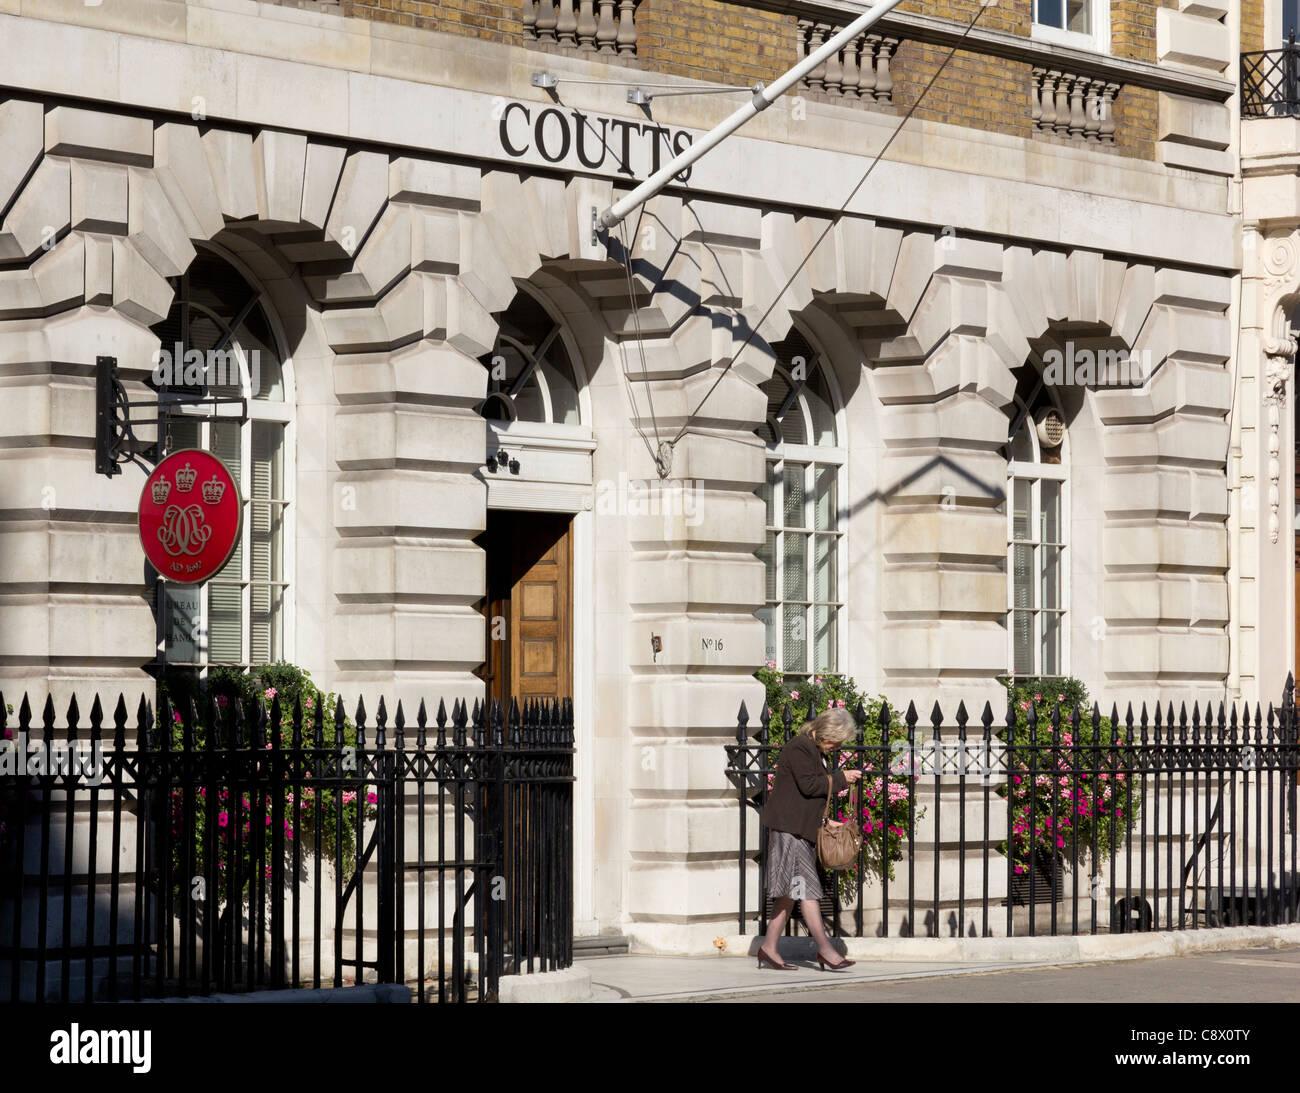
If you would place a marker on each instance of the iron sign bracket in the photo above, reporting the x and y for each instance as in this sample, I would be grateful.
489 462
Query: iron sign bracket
115 439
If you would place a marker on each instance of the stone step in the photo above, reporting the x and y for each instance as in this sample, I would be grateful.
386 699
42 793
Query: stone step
605 945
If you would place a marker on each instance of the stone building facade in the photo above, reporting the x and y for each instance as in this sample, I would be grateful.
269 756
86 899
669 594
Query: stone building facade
459 406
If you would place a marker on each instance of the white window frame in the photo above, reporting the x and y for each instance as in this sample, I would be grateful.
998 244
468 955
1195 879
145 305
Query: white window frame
1036 472
563 335
248 411
816 455
1096 41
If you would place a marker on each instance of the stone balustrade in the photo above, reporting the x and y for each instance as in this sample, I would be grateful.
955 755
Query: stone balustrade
1073 106
593 26
859 71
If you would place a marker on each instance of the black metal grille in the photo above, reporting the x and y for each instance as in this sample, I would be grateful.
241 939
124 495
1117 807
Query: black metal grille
1188 821
241 851
1270 83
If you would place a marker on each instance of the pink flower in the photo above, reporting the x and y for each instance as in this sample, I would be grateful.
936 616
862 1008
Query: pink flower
9 734
771 664
176 716
1060 698
794 694
223 818
270 692
349 796
222 700
372 797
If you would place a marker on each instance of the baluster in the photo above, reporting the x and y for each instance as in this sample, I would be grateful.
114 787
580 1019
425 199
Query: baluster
852 76
1077 86
587 26
801 46
1048 121
606 32
1092 111
867 67
1036 97
546 20
1062 103
530 18
566 26
816 39
626 28
1109 93
834 72
884 81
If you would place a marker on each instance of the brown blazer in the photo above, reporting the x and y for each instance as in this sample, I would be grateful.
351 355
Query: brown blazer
798 794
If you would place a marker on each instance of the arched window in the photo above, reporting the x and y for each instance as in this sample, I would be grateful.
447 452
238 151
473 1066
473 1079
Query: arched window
1036 531
530 374
238 617
803 551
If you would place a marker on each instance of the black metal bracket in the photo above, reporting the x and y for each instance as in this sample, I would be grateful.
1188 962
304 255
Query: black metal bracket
115 439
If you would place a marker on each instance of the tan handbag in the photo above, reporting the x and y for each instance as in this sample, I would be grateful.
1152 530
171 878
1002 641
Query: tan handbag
838 844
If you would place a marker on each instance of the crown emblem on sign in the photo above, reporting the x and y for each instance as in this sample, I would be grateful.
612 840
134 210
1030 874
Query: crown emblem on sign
161 489
213 490
185 478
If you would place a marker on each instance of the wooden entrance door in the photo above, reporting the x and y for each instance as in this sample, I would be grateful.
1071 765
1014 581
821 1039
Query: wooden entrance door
529 605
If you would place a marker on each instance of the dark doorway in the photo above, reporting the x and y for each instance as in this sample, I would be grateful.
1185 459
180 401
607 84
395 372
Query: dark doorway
528 606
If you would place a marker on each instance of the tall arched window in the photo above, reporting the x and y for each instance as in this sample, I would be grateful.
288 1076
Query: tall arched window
239 617
803 551
530 374
1037 586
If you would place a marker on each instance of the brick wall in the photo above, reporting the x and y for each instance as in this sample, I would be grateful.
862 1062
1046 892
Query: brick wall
1133 35
1252 26
496 20
732 43
717 42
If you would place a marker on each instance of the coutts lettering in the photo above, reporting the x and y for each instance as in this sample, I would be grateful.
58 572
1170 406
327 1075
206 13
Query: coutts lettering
600 143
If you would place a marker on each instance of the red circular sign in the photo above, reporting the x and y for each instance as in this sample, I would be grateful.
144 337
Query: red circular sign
190 516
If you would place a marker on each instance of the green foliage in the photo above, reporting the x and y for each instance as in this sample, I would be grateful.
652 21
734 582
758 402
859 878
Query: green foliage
328 815
1080 772
864 804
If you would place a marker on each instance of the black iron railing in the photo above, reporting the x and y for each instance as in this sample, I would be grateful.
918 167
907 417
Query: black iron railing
1077 823
1270 82
241 850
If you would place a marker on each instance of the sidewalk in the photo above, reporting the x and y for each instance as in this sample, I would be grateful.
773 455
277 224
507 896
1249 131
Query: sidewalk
654 978
685 978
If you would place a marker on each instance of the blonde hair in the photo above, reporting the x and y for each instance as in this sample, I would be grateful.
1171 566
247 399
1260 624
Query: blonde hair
834 726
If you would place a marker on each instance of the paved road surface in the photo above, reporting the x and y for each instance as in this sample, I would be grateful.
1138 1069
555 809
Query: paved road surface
1248 975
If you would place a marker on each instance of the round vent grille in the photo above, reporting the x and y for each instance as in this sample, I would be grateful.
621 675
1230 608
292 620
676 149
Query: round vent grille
1051 429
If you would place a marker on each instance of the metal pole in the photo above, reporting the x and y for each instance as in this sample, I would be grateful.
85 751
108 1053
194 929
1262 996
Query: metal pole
763 98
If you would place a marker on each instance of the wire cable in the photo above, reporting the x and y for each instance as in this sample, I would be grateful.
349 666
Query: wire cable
831 223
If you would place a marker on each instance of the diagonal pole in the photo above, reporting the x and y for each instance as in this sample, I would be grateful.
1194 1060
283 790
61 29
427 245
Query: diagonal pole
763 97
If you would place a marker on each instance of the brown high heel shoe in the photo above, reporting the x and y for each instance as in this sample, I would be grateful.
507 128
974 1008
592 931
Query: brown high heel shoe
826 966
779 966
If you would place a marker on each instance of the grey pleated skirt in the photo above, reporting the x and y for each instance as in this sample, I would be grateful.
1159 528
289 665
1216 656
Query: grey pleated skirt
791 867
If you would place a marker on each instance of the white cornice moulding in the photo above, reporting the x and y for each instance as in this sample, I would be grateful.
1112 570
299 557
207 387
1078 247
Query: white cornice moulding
1008 187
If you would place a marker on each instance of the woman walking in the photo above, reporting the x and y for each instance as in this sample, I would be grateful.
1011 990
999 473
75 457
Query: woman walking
792 816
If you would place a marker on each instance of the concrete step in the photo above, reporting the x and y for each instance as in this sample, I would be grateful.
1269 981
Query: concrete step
605 945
